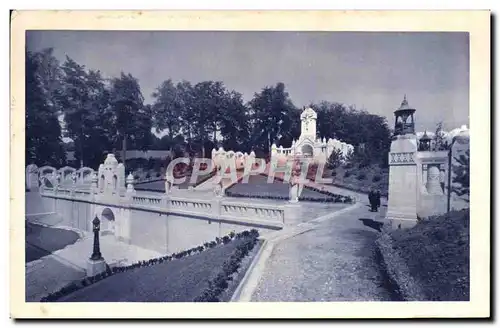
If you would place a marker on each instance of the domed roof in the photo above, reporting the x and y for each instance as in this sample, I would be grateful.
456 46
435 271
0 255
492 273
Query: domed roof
425 137
405 106
111 160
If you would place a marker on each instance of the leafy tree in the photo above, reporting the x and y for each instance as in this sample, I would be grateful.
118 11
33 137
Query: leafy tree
356 128
43 132
132 119
50 77
439 142
462 174
167 110
271 110
335 159
234 123
85 100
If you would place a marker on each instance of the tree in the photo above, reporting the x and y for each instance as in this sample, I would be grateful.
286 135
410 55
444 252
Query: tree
234 123
85 102
462 174
271 110
355 127
43 131
439 142
132 120
335 159
167 109
50 77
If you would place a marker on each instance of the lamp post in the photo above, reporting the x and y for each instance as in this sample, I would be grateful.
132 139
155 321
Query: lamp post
461 139
96 253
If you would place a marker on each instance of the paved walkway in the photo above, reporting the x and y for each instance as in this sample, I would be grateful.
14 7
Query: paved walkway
331 259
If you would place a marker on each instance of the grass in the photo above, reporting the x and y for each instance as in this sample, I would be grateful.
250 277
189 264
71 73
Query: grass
159 185
42 241
257 187
361 179
436 252
180 280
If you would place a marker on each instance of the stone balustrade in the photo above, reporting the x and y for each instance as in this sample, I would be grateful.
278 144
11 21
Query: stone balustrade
213 208
253 211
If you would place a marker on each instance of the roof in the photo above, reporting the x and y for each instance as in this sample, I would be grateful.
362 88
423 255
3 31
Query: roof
405 107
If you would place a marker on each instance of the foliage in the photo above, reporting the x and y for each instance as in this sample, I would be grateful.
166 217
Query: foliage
355 127
435 250
272 112
462 174
439 140
132 119
217 285
361 176
43 131
335 160
84 100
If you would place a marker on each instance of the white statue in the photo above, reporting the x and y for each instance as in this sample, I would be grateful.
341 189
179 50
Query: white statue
218 190
294 193
168 184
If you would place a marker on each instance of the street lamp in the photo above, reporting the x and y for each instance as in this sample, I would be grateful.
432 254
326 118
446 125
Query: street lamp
461 139
96 254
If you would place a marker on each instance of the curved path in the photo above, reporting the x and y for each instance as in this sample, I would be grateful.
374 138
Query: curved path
331 259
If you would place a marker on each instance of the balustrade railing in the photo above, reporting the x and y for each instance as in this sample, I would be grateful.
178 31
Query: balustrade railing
213 208
261 212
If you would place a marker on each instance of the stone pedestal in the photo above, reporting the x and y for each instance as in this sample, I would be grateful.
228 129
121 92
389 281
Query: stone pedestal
94 267
403 184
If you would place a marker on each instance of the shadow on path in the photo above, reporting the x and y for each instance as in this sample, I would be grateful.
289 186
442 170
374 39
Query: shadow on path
41 241
372 224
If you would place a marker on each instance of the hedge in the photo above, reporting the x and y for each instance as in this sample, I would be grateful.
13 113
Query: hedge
74 286
217 285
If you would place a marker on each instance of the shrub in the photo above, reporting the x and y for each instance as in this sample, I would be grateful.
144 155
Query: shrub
334 173
347 174
376 178
361 176
158 174
348 165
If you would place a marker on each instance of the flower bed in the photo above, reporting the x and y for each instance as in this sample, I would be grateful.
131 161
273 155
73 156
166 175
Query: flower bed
243 238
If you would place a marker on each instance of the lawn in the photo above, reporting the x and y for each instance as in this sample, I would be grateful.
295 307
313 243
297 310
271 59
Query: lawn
360 179
437 254
179 280
42 241
258 187
159 185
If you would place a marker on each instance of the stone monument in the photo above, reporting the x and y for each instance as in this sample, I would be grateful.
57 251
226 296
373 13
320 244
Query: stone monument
402 203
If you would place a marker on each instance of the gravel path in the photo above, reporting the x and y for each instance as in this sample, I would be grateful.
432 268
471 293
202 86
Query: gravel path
335 261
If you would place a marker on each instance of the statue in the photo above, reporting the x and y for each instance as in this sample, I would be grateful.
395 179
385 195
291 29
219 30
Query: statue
168 184
218 190
295 186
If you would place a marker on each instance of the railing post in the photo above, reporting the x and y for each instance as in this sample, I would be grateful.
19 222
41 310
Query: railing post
216 207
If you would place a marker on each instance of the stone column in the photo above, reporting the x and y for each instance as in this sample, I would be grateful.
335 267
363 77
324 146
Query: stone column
403 184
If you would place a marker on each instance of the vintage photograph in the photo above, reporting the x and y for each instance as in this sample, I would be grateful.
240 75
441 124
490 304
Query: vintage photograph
247 166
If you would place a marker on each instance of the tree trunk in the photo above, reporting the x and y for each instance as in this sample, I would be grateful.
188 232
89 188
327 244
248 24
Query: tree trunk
124 148
203 146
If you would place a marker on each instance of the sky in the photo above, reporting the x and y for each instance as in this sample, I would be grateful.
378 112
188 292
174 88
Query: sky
370 70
